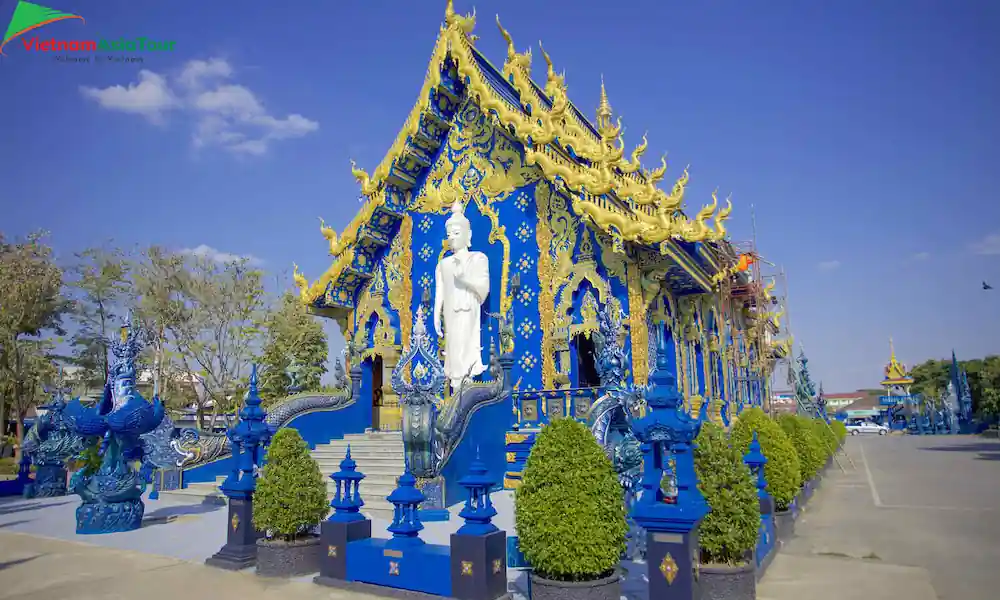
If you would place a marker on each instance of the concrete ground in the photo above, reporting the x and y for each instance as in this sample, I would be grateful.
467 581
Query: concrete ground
916 518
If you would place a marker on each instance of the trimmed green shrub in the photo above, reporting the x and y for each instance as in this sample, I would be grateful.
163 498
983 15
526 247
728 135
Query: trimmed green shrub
840 429
569 508
291 494
730 528
828 439
782 470
807 444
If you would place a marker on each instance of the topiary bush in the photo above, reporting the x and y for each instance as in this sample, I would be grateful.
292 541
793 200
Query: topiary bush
730 528
569 508
840 429
291 494
782 470
807 444
828 439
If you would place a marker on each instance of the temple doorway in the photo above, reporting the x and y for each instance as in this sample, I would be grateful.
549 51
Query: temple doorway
586 362
376 392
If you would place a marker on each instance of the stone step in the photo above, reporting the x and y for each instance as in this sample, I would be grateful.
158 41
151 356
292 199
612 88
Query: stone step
370 471
363 462
371 448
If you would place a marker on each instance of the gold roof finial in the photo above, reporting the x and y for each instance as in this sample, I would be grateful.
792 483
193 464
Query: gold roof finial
603 108
892 351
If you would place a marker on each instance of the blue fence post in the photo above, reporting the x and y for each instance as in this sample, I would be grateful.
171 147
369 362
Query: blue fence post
248 439
345 525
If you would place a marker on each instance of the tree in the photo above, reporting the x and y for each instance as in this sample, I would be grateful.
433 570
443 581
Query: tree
291 335
217 327
291 493
100 278
30 304
930 376
157 301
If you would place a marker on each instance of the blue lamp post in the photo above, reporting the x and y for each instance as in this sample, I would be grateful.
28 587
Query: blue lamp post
248 440
756 460
345 525
478 548
667 436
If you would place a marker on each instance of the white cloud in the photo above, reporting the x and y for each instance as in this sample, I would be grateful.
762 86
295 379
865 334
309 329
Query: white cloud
205 251
988 246
151 97
829 265
195 72
226 115
921 256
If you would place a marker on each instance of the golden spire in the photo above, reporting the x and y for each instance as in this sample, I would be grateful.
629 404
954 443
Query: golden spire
603 109
892 351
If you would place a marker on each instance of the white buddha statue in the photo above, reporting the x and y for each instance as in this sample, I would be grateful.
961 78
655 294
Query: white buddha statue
461 284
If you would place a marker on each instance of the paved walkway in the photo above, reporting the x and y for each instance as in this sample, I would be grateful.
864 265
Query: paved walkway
917 518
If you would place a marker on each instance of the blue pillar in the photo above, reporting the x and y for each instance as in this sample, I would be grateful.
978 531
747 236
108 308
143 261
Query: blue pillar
670 518
764 552
345 525
248 439
478 548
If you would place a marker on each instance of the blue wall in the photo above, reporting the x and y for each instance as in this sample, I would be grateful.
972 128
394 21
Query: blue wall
485 432
316 427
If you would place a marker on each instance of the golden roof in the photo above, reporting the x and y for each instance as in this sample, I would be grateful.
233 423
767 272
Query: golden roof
895 371
619 196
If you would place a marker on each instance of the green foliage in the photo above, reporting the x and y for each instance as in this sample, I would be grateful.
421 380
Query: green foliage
8 466
782 471
291 493
840 430
569 510
100 283
31 303
828 439
91 457
730 529
808 445
292 335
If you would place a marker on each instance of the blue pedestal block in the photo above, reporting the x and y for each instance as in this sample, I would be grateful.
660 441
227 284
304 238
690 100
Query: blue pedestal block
673 560
336 538
479 566
422 568
109 517
765 550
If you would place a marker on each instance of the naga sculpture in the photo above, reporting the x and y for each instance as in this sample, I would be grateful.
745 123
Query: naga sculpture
50 442
613 413
132 430
430 434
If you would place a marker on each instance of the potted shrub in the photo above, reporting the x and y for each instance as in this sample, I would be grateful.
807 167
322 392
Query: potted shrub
807 446
570 516
828 440
289 503
782 470
840 430
728 534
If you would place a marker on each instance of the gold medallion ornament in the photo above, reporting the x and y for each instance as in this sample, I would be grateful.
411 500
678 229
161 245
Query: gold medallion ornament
331 551
393 567
235 522
669 568
466 568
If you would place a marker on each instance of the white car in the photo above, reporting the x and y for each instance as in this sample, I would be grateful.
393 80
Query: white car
867 427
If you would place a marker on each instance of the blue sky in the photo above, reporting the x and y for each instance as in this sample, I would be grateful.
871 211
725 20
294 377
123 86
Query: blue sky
861 131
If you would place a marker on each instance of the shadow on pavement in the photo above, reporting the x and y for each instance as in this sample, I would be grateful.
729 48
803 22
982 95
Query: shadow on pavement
8 508
18 561
169 514
986 450
12 523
